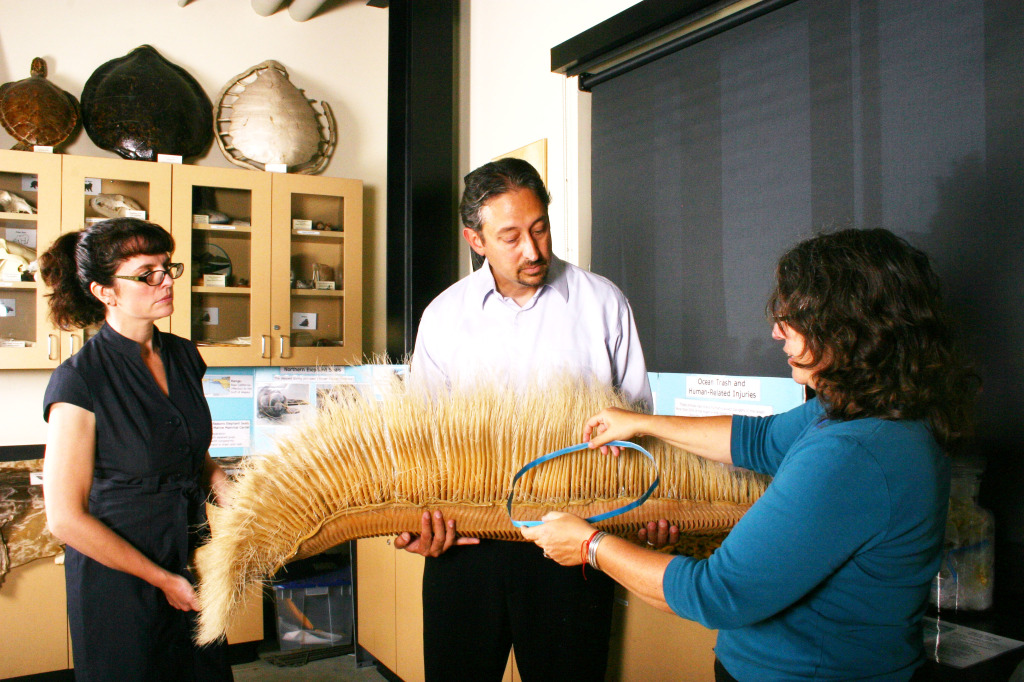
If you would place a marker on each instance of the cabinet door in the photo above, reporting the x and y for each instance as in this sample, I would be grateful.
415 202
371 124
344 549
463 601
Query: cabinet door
316 303
648 644
86 178
27 339
377 600
33 609
223 298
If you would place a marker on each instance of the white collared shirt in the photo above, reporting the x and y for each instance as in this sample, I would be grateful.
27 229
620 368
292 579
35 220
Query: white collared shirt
577 322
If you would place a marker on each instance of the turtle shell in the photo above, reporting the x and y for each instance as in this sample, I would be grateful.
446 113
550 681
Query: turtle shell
141 105
36 112
263 118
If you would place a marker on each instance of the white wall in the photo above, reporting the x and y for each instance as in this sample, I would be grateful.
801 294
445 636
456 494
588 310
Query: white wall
511 98
339 56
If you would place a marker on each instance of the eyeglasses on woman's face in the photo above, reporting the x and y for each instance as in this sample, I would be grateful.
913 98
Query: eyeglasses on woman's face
155 278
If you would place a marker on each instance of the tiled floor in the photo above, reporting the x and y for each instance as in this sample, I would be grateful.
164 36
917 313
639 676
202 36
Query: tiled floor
336 669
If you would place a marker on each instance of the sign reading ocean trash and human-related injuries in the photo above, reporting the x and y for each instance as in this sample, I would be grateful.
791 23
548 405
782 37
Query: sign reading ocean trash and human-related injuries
708 395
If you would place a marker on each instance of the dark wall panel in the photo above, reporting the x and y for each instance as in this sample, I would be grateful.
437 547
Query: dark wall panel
905 114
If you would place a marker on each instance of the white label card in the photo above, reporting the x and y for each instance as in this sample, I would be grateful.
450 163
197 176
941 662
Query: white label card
93 185
21 236
168 158
231 434
29 183
305 321
211 316
8 307
141 215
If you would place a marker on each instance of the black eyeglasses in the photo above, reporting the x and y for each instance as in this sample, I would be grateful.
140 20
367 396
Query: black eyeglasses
155 278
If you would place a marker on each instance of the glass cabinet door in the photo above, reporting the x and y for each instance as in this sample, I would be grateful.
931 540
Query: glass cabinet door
222 230
95 189
29 222
316 305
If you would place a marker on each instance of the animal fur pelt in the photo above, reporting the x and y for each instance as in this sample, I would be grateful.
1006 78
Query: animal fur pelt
362 468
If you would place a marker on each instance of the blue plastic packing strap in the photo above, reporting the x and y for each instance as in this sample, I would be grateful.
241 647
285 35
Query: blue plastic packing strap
574 448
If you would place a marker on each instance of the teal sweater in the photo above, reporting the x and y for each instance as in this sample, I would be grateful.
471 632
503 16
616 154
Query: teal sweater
827 576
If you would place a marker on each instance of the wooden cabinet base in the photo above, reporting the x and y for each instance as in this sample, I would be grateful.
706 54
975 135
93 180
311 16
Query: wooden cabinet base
33 609
652 645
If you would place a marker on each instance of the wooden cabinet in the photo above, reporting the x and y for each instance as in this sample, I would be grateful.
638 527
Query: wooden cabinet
292 293
648 644
321 325
84 179
26 337
33 609
62 193
377 600
230 322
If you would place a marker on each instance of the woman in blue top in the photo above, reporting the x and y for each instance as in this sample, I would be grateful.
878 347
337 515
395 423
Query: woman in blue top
827 576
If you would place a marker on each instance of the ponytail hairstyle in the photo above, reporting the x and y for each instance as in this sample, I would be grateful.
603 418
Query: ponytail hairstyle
77 259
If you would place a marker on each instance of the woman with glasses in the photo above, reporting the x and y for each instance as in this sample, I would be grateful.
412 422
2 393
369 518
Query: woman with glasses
826 577
127 471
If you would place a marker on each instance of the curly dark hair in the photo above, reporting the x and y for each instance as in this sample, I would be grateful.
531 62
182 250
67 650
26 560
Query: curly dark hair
880 340
494 179
76 259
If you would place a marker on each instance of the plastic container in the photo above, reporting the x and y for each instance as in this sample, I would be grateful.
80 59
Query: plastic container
314 612
966 576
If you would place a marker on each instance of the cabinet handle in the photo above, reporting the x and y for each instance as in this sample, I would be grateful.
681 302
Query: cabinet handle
74 338
263 345
280 353
50 338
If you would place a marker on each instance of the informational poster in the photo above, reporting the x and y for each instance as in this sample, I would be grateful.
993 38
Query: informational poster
229 392
268 402
253 406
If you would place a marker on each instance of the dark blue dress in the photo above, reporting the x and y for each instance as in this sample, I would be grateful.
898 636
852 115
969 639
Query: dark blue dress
147 487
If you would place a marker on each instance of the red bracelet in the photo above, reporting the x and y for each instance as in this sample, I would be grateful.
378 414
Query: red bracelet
584 548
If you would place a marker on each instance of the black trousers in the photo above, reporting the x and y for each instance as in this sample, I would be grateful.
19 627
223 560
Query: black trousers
478 601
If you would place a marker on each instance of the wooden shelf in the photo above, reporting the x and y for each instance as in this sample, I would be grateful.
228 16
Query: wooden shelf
18 285
212 227
26 217
227 291
320 234
328 293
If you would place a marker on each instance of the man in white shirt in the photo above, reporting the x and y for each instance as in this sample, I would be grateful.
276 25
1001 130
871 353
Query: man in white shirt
523 316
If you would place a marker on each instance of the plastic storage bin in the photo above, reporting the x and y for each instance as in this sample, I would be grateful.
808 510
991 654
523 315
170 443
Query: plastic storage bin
315 611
